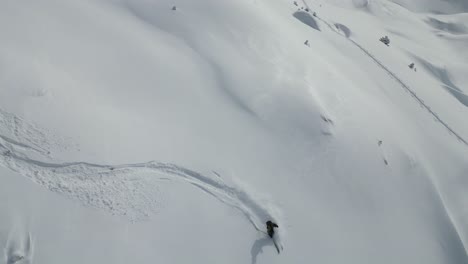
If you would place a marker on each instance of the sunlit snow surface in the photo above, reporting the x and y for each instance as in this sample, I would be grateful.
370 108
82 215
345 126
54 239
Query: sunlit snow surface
131 132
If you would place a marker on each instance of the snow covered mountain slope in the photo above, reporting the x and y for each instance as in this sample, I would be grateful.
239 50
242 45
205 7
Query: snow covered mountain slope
170 132
435 6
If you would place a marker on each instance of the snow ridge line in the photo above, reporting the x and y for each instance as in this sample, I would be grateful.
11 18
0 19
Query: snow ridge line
117 188
398 80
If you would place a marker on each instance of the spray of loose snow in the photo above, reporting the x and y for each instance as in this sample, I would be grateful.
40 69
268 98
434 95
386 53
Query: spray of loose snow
126 189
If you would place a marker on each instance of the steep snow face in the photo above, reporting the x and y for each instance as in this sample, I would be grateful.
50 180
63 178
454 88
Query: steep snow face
133 131
435 6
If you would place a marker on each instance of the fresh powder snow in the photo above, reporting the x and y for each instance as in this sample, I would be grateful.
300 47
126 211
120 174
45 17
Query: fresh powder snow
156 131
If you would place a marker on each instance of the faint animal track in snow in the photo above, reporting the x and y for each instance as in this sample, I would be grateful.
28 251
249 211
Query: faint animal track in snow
330 123
19 248
326 119
379 143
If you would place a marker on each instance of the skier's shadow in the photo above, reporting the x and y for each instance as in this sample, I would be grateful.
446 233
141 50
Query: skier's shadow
258 246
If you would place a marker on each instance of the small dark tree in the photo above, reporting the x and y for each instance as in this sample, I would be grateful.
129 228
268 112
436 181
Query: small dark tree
174 8
411 66
385 40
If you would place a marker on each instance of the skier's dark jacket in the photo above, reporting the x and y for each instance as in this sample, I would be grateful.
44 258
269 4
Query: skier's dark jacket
270 228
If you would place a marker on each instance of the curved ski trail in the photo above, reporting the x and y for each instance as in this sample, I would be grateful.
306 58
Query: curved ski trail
129 190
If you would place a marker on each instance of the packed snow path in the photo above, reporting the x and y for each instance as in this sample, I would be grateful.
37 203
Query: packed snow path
126 189
395 78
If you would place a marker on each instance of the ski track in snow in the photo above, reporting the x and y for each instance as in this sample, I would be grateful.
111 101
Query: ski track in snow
19 248
395 78
129 190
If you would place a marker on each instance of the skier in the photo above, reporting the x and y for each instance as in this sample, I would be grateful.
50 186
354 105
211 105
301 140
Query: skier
270 228
271 232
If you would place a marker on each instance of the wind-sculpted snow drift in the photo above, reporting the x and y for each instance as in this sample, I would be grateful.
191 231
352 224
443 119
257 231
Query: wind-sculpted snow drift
127 189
